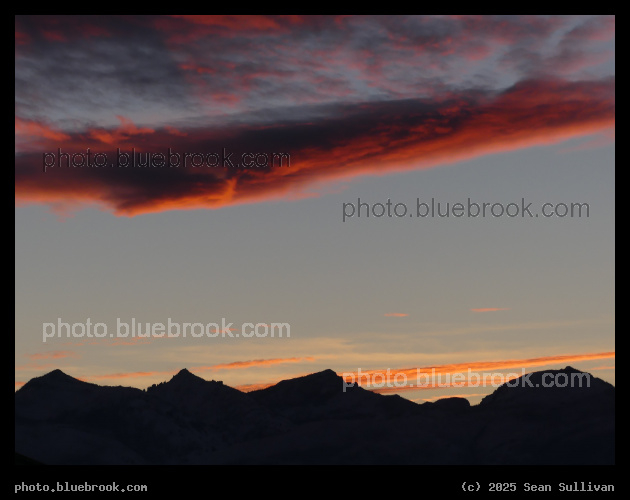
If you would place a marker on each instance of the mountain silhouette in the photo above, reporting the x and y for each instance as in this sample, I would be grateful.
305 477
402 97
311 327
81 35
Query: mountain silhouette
320 396
312 420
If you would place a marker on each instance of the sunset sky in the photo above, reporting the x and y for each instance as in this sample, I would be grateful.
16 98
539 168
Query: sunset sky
488 108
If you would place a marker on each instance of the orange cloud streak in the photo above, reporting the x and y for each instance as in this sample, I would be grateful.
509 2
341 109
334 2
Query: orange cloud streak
443 385
254 387
436 398
223 366
437 370
127 375
54 355
603 368
254 362
480 366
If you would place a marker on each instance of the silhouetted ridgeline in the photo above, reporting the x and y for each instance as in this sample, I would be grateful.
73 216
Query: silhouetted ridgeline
62 420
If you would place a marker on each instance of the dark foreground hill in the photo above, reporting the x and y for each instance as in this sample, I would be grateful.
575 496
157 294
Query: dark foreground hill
311 420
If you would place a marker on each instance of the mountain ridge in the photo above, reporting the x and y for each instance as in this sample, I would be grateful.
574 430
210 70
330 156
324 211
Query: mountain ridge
309 419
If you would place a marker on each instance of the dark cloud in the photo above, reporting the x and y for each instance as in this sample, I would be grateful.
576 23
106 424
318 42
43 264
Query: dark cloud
345 141
83 70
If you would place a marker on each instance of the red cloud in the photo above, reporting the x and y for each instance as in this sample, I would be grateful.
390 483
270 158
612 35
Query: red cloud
38 130
366 139
126 129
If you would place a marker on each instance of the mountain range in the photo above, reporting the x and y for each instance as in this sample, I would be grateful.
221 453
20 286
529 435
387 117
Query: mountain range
310 420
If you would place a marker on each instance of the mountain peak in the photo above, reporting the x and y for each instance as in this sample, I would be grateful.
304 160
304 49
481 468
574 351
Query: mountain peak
324 378
183 372
549 388
184 375
55 378
570 369
56 372
326 382
57 375
324 374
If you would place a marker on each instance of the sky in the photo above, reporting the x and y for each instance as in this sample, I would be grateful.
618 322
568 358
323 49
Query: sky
410 109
